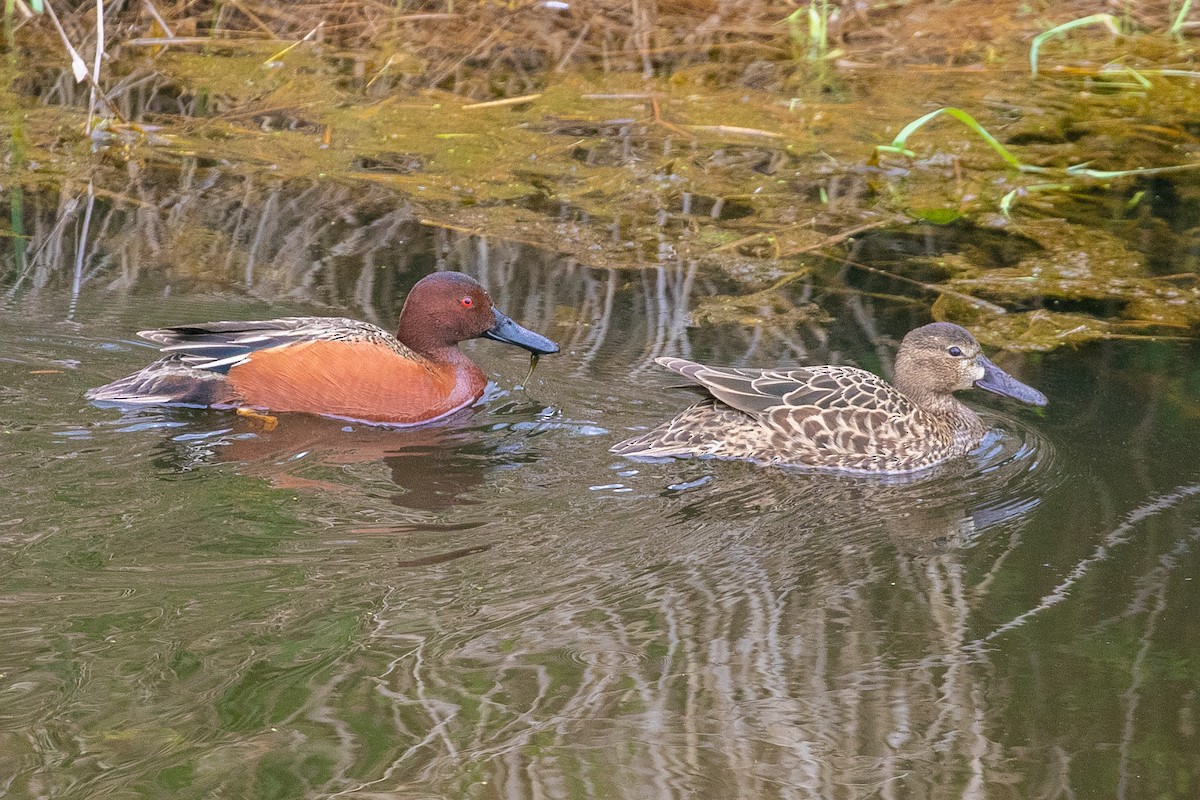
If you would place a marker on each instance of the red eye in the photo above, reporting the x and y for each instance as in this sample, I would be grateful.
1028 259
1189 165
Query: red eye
467 302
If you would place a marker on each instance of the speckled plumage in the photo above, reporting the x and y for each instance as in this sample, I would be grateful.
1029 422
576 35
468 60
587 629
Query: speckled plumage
838 417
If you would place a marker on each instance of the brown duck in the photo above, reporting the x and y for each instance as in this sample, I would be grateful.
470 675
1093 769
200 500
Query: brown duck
332 366
836 417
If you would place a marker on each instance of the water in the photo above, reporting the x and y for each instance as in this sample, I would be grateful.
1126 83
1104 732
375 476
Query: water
192 606
496 607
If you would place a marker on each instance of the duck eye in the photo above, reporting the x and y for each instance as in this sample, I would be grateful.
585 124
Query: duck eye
467 301
955 351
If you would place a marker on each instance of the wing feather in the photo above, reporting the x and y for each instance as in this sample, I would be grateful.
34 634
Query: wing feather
760 392
220 346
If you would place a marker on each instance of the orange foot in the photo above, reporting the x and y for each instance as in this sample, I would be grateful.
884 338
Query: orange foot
268 422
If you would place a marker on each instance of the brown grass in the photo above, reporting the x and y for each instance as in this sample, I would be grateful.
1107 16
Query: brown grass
496 49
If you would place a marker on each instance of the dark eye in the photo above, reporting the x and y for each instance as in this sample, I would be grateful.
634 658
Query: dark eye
467 301
955 351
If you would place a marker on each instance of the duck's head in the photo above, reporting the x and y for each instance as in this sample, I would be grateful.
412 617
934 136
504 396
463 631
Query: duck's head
446 308
942 357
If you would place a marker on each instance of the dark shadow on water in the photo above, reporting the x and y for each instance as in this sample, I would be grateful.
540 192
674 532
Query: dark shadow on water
430 468
951 505
433 467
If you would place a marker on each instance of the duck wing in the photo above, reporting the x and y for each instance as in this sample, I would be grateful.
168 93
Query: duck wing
826 416
220 346
768 392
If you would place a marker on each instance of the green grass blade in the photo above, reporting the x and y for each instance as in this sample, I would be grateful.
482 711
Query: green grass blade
1142 81
1177 26
794 30
818 30
899 144
1107 20
1083 170
1006 202
16 206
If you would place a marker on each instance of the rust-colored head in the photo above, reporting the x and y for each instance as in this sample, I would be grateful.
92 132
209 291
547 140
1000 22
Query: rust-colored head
446 308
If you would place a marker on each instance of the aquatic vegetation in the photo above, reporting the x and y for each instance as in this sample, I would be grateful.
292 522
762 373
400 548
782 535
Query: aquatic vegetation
1114 26
899 146
199 607
1177 24
619 140
1106 20
900 143
811 40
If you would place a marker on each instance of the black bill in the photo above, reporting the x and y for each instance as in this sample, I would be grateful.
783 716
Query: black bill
999 382
509 332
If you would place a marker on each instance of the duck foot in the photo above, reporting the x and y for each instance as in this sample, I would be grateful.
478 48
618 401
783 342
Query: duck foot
268 422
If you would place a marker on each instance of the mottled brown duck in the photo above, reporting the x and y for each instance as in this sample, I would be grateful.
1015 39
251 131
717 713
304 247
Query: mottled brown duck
835 417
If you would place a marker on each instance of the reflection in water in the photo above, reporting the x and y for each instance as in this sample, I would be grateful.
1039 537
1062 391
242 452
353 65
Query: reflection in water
433 467
748 650
283 247
495 607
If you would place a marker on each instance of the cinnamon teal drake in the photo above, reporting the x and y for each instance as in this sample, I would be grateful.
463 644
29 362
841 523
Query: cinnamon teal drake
331 366
840 418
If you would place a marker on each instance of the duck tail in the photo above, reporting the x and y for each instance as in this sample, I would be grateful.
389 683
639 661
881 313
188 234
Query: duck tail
651 445
167 381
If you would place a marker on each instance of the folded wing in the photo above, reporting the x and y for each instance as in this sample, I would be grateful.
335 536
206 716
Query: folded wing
220 346
764 392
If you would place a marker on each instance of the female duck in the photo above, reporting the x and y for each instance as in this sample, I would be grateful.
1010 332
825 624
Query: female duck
839 417
331 366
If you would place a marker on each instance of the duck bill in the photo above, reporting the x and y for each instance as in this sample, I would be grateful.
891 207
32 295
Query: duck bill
509 332
997 381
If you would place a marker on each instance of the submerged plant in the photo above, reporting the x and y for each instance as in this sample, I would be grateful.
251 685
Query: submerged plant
1107 20
812 39
1176 28
899 144
1111 23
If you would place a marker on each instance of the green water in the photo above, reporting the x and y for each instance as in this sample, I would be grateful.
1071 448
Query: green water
497 607
193 606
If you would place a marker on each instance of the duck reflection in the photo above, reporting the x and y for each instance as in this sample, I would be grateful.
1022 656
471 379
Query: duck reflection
432 468
951 505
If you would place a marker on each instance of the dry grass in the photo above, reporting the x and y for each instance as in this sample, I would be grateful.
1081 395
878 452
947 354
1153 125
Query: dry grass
490 49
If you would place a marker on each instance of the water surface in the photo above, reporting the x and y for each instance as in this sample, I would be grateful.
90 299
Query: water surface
193 606
497 607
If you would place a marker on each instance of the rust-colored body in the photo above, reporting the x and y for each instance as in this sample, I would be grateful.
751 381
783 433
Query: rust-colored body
333 366
355 380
